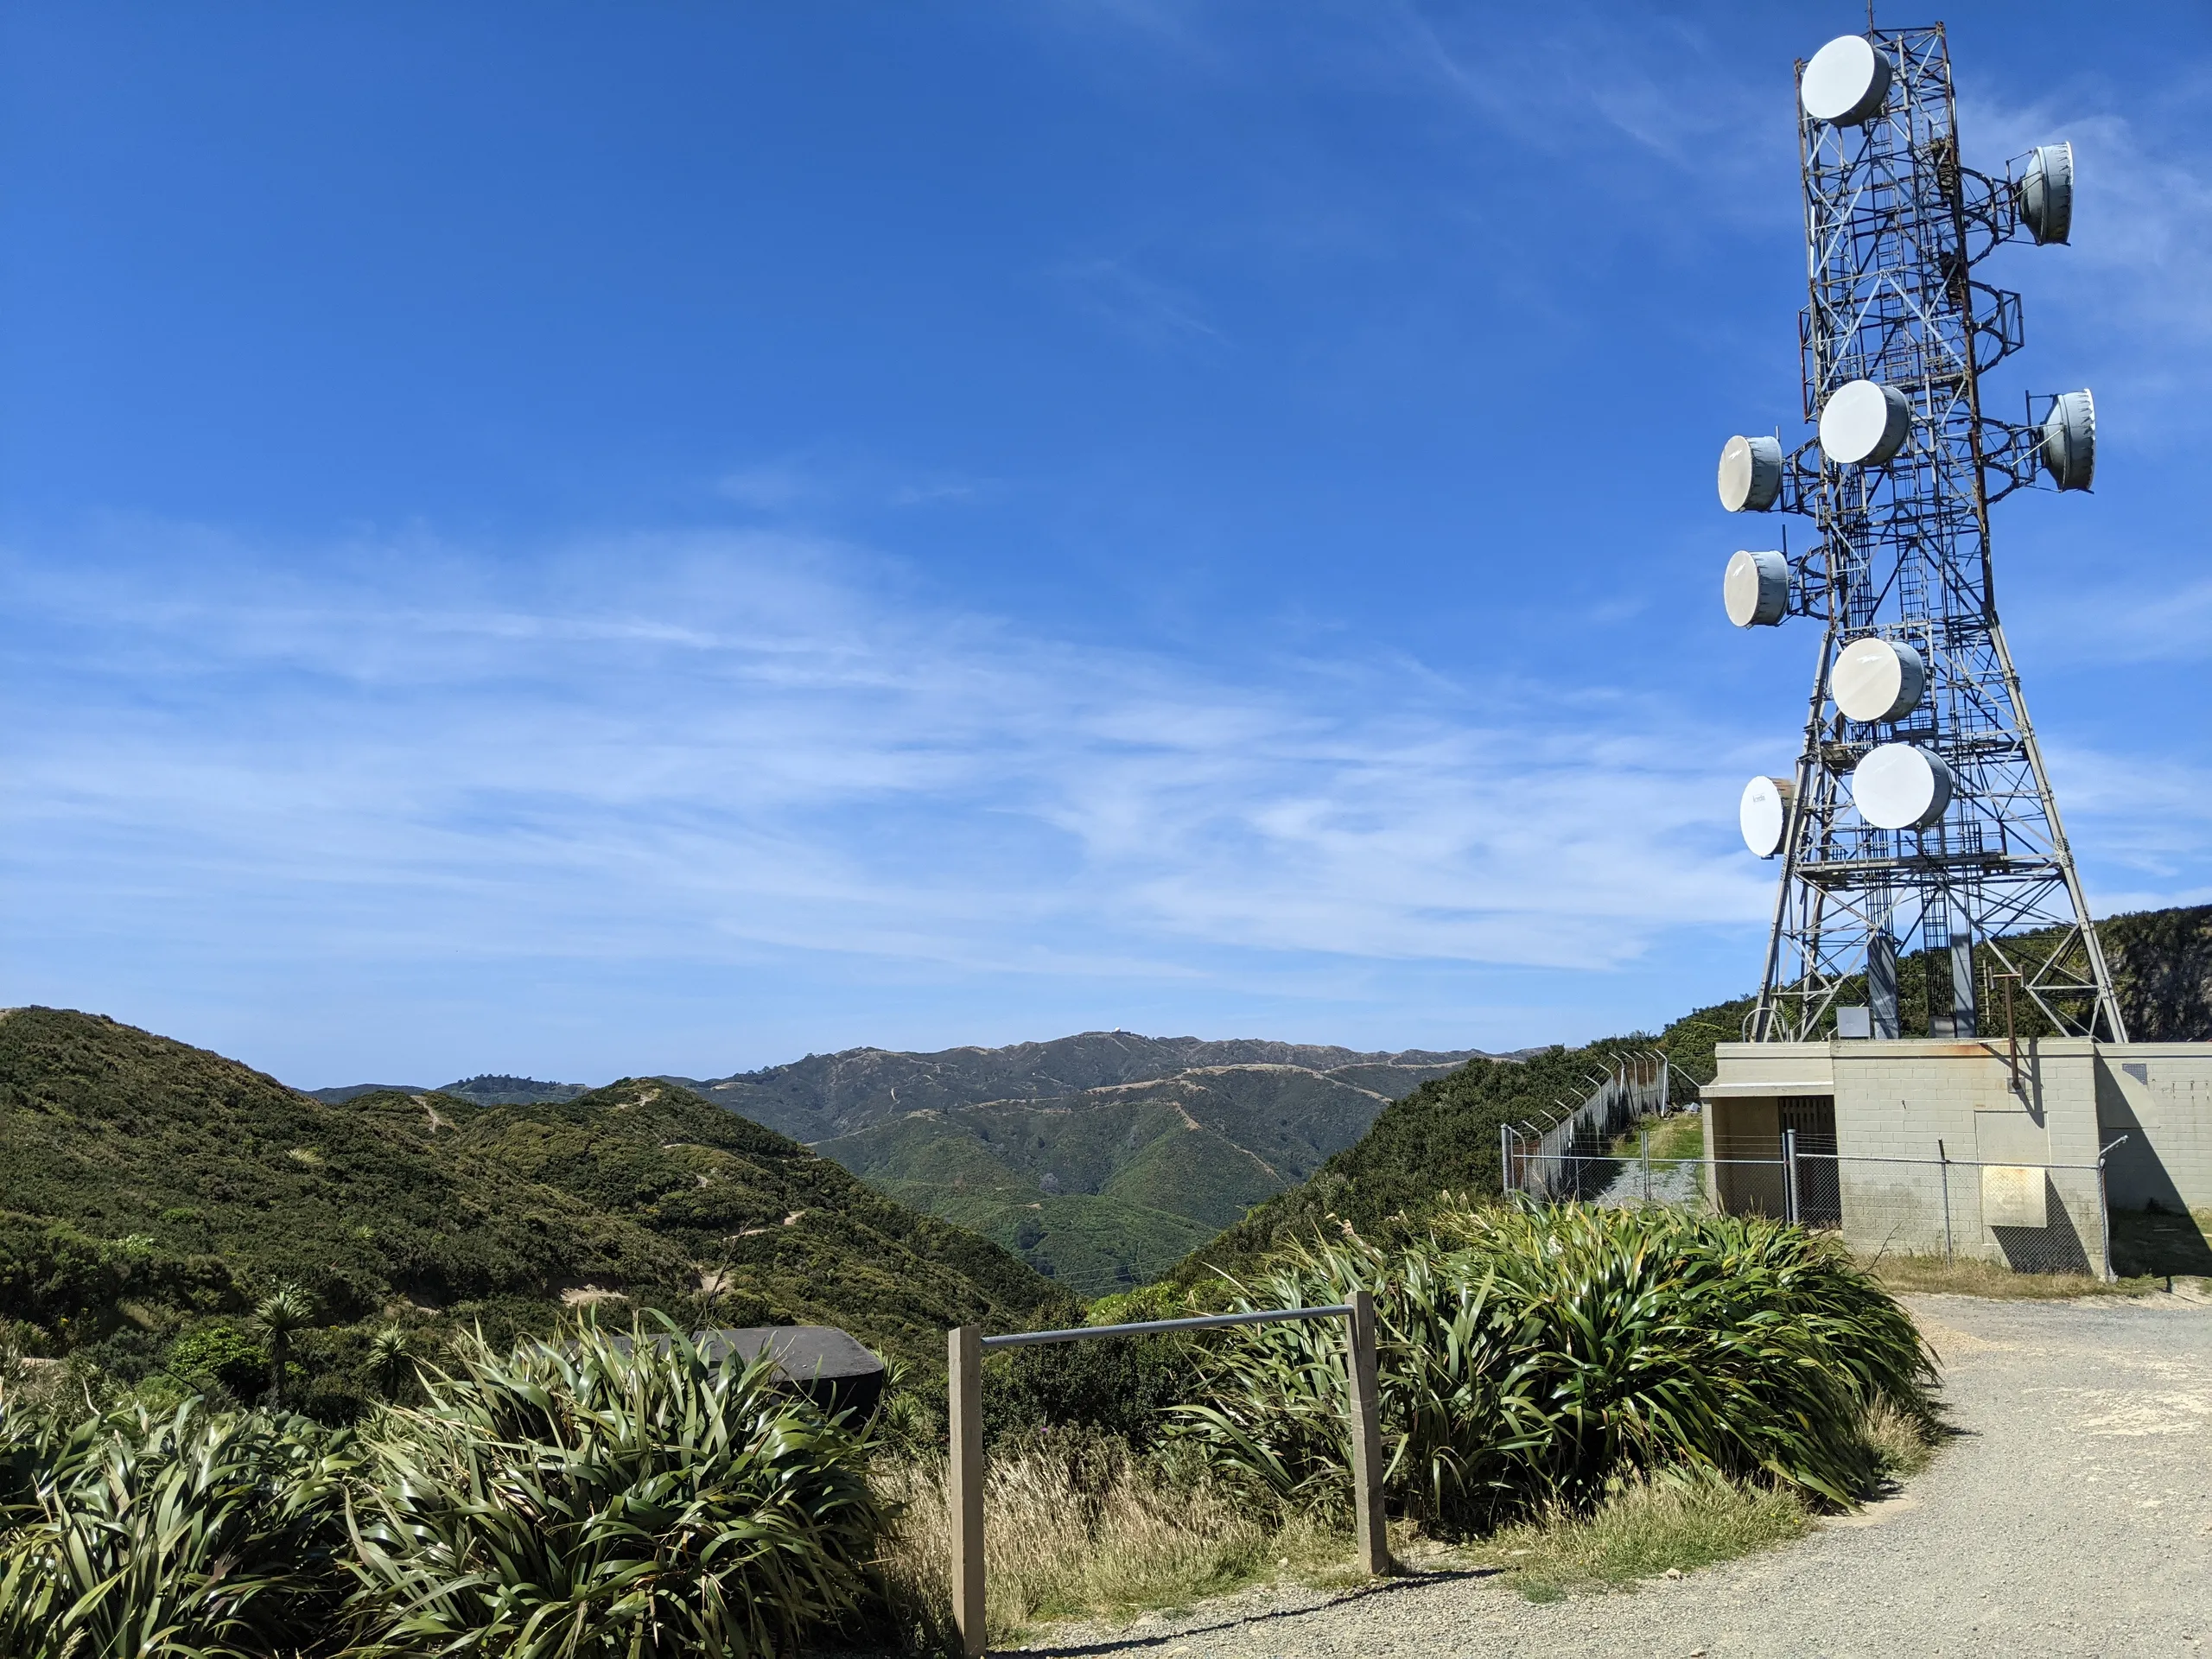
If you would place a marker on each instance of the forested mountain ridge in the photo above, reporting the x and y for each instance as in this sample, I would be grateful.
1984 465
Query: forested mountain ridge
826 1096
1106 1188
1100 1159
147 1185
492 1089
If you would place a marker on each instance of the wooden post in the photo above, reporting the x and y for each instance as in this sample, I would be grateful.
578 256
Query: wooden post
1369 1522
963 1482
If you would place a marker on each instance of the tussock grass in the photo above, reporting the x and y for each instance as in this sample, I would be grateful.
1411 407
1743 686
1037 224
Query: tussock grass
1091 1531
1904 1443
1643 1529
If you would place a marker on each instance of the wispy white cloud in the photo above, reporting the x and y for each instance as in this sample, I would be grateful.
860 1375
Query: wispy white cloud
1142 307
814 485
2122 615
734 743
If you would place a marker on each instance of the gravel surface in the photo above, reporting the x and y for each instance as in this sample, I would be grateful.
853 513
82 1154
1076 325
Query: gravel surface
2072 1515
1674 1181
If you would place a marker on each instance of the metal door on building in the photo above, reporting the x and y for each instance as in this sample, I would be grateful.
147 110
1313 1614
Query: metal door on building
1809 1122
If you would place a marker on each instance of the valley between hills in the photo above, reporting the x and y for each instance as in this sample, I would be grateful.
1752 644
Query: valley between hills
1101 1158
152 1192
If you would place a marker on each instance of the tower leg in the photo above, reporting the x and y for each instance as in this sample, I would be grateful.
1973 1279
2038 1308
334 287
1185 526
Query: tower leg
1882 984
1965 1013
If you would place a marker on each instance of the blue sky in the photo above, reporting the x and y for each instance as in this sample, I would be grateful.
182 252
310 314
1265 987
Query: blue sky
598 539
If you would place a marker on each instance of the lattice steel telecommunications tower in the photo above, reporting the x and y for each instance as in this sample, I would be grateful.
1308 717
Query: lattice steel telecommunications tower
1920 814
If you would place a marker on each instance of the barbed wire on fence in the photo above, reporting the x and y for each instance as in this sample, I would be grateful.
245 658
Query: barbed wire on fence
1636 1088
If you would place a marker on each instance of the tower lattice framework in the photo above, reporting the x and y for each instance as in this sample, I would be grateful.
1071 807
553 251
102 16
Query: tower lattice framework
1895 227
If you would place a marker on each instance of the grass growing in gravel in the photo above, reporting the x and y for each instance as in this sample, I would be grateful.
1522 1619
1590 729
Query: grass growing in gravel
1678 1135
1643 1531
1904 1443
1677 1522
1931 1275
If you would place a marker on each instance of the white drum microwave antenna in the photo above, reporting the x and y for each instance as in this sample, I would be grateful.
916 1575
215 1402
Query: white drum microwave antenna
1756 589
1750 474
1764 813
2047 193
2070 439
1899 786
1919 815
1845 82
1866 424
1876 680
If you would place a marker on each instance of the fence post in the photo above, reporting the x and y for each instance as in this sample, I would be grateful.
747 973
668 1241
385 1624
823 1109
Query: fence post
2104 1214
963 1482
1505 1158
1944 1157
1790 1210
1646 1166
1368 1518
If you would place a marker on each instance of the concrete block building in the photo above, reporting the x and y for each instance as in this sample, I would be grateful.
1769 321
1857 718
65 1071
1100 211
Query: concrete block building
1920 1147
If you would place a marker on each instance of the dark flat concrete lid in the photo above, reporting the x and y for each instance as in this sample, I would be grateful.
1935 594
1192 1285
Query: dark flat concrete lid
820 1361
800 1351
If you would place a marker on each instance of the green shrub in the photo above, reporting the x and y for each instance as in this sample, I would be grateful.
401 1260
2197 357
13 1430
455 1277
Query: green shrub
220 1354
610 1497
200 1534
1121 1386
1527 1357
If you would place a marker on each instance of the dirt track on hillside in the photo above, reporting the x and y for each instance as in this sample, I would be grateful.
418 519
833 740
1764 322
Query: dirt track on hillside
2071 1515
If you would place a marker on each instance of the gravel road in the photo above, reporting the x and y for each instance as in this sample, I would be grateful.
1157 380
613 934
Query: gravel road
2072 1515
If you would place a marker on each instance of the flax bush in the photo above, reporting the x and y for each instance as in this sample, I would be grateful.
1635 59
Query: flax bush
198 1534
1530 1356
610 1497
602 1497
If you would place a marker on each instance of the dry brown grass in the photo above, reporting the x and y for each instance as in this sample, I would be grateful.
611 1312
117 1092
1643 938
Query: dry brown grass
1095 1533
1904 1444
1100 1535
1933 1275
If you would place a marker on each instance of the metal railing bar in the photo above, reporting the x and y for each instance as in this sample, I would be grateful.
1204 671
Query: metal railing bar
1803 1157
1146 1327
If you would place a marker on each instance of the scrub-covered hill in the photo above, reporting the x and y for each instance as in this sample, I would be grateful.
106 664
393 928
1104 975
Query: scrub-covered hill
1100 1159
1442 1137
147 1185
491 1088
1105 1188
825 1096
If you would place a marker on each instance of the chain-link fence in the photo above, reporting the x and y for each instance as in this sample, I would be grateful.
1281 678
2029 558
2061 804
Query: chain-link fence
2031 1218
1544 1155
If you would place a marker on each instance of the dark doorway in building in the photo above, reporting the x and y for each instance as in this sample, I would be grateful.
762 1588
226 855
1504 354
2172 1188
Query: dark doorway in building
1819 1195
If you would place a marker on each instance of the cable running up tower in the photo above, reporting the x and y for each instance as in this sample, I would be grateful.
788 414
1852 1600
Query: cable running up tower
1919 815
